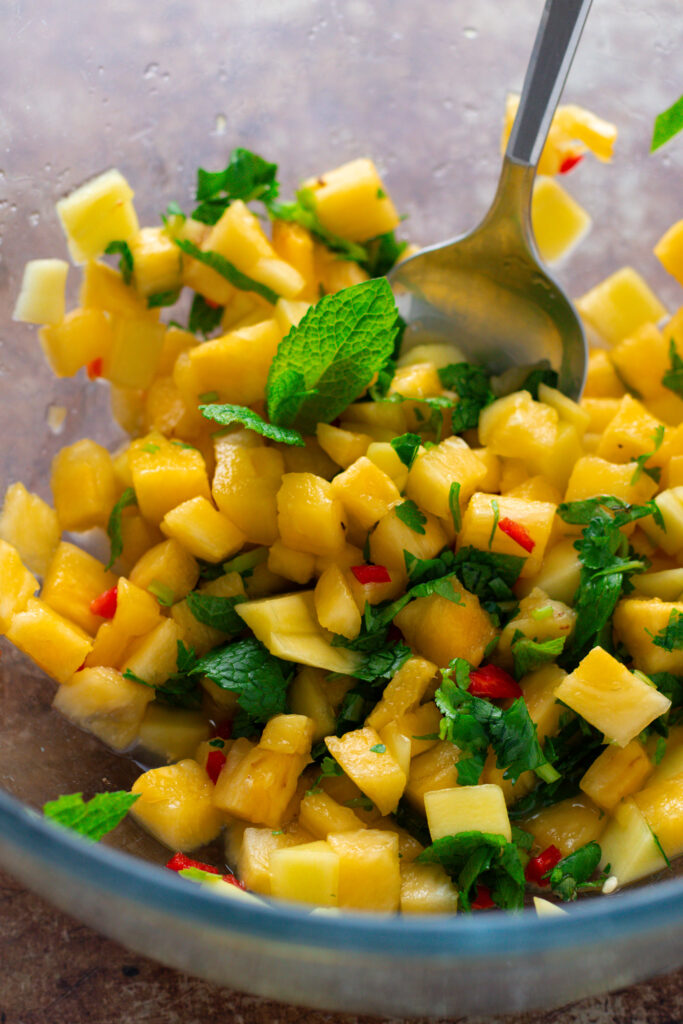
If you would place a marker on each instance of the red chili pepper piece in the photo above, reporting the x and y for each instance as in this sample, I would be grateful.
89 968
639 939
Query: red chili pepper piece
541 865
371 573
216 305
94 368
483 900
105 603
518 533
569 162
234 880
214 764
493 682
223 730
179 862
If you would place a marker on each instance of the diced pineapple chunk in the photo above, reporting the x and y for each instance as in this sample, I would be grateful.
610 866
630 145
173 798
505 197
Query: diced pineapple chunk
669 250
642 359
398 744
343 446
288 734
386 458
618 772
670 504
559 574
157 263
298 566
619 305
245 484
308 696
137 612
369 875
133 357
611 698
55 644
369 764
421 726
172 733
559 222
544 908
83 485
29 525
203 530
165 475
518 427
17 585
629 433
661 804
593 476
235 365
104 703
567 825
602 380
154 656
82 336
97 213
168 564
467 809
308 873
440 629
351 201
538 618
628 845
335 605
392 537
433 472
103 288
73 579
309 514
405 690
480 525
41 298
259 787
427 889
544 709
253 862
319 814
365 492
175 805
637 621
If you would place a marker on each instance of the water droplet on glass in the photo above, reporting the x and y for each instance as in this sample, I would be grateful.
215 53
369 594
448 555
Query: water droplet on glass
470 32
55 418
221 123
151 70
34 219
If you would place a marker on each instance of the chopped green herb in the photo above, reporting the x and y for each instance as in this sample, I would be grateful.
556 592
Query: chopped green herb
410 514
228 414
246 563
246 177
660 750
92 818
496 518
364 803
454 505
659 846
406 447
168 298
122 249
473 858
217 612
530 654
654 472
208 397
163 593
181 689
248 669
303 211
571 875
383 253
150 448
114 525
217 742
670 638
328 769
539 375
379 748
472 384
541 614
204 317
185 445
667 124
228 270
673 378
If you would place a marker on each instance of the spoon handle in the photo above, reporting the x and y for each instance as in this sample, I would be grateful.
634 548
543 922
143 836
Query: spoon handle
556 42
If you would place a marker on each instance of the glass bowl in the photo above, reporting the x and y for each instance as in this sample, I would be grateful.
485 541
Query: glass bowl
156 91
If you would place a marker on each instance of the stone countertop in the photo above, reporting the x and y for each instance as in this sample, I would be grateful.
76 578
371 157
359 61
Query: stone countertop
54 970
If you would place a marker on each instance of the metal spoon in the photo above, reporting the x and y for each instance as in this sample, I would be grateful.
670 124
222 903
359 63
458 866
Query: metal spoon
487 291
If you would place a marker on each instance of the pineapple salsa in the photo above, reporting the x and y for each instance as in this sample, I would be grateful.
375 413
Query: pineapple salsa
409 637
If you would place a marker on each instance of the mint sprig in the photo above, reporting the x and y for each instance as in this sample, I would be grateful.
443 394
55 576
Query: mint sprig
93 818
226 269
229 414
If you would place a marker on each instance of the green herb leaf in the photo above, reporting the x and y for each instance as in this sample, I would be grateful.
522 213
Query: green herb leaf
659 846
92 818
122 249
671 637
379 748
410 514
473 858
454 505
217 612
383 663
330 357
204 317
654 472
406 447
228 414
114 525
246 177
473 386
667 124
383 253
246 563
181 689
163 593
530 654
673 378
248 669
496 518
571 875
168 298
539 375
303 211
226 269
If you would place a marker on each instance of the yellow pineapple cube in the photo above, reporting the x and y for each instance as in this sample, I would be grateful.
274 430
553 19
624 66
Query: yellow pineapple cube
416 380
351 201
544 908
81 336
73 579
203 530
294 245
83 485
238 236
157 262
467 809
306 873
423 721
167 564
17 586
253 861
670 504
203 279
41 298
245 486
167 412
671 763
544 709
236 365
440 353
298 566
288 734
518 427
175 805
567 825
536 517
369 874
558 221
369 764
619 305
512 791
392 537
29 525
642 359
601 411
132 359
335 605
260 786
433 472
137 613
669 250
628 845
165 475
333 272
398 744
138 536
280 277
555 463
637 621
667 584
104 703
309 514
97 213
103 288
611 698
558 575
172 733
536 488
617 772
153 657
403 692
343 446
629 433
441 630
433 770
319 814
593 476
556 620
386 459
289 628
308 696
386 417
427 889
56 645
365 492
661 804
602 380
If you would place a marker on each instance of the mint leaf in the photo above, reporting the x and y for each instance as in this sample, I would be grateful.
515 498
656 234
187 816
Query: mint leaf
473 386
671 637
303 211
204 316
159 299
248 669
93 818
667 124
122 249
114 525
530 654
383 253
539 375
410 514
217 612
326 361
382 664
473 858
673 378
226 269
247 177
571 875
406 447
181 689
228 414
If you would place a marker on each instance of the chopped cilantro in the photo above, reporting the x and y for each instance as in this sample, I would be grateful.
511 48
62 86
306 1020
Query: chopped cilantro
472 384
454 505
496 519
572 874
410 514
226 269
670 638
364 803
473 858
217 742
659 846
217 612
228 414
328 769
654 472
326 361
406 447
673 378
530 654
114 525
204 317
667 124
181 689
122 249
93 818
150 448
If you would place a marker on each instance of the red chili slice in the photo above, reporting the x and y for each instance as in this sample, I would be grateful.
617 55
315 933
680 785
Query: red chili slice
234 880
483 900
105 603
541 865
569 162
518 533
371 573
94 368
214 764
493 682
179 862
